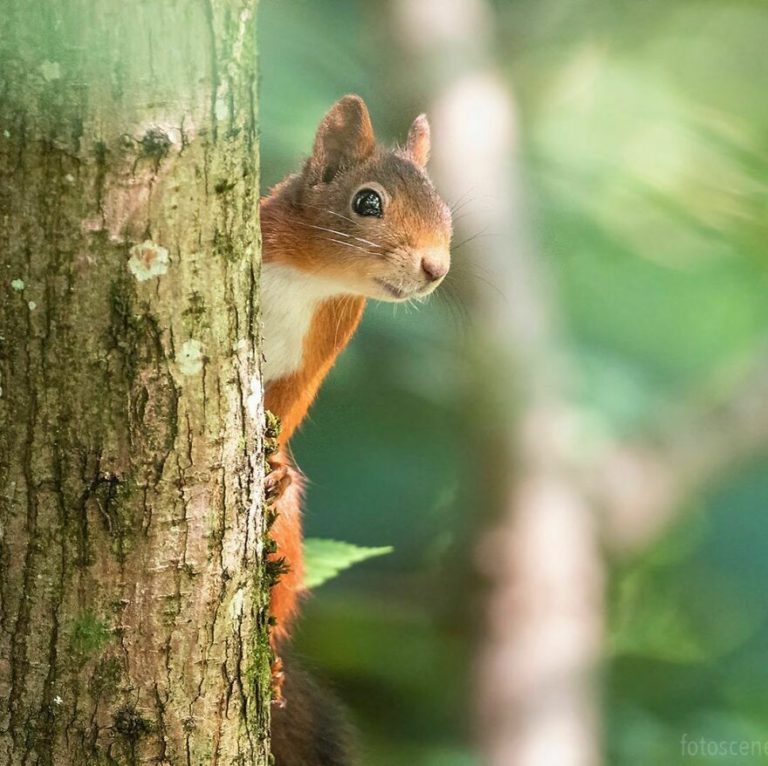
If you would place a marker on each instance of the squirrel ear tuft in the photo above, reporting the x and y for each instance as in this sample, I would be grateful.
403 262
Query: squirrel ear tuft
418 143
344 137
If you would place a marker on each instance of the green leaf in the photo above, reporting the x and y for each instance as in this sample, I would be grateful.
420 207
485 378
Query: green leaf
324 559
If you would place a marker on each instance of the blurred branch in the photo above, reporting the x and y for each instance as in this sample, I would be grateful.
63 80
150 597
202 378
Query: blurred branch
642 486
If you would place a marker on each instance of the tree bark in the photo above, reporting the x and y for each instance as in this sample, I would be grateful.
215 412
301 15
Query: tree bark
133 600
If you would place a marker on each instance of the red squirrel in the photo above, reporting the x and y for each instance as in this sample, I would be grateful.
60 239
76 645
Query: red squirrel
359 221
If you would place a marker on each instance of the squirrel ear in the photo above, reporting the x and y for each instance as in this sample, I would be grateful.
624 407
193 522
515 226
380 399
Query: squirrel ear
345 136
418 142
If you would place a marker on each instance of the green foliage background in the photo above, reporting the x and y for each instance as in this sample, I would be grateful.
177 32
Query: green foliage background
645 156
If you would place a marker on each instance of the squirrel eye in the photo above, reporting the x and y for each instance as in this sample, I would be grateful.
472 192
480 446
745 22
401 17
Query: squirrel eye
367 202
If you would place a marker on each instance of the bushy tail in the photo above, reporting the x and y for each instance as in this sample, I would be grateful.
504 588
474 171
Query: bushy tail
310 730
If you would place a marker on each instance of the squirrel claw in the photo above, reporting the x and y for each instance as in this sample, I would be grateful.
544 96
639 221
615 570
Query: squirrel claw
278 678
276 482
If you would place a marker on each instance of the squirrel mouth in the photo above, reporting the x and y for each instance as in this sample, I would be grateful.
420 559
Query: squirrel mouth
395 292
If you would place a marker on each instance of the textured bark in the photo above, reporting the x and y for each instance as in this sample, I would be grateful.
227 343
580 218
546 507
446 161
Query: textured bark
132 595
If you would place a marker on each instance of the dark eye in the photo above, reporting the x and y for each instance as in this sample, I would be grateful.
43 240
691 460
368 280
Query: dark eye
368 202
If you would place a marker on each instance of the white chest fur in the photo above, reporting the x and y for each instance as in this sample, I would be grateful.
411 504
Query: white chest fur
289 298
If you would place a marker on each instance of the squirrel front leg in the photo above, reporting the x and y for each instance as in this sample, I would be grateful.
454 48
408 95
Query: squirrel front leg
286 533
284 495
289 399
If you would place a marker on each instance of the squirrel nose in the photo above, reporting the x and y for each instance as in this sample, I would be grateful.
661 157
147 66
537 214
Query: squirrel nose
433 268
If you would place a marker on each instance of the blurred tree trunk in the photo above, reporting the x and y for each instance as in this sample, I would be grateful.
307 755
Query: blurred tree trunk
537 692
132 599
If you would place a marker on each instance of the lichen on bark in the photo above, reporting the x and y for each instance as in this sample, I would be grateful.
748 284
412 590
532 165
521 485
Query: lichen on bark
133 601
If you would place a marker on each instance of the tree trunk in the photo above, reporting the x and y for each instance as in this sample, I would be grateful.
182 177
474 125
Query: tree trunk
132 595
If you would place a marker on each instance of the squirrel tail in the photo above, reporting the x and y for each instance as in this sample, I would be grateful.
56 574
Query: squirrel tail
310 730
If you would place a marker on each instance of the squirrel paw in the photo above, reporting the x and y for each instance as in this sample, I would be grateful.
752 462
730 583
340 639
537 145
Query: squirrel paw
278 679
276 481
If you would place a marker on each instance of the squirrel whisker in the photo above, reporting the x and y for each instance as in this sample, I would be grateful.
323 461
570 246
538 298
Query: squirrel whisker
350 244
332 212
345 218
482 233
463 200
326 210
359 239
322 228
342 234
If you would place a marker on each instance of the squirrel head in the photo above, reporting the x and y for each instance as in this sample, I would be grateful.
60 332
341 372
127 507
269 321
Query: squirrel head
376 225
